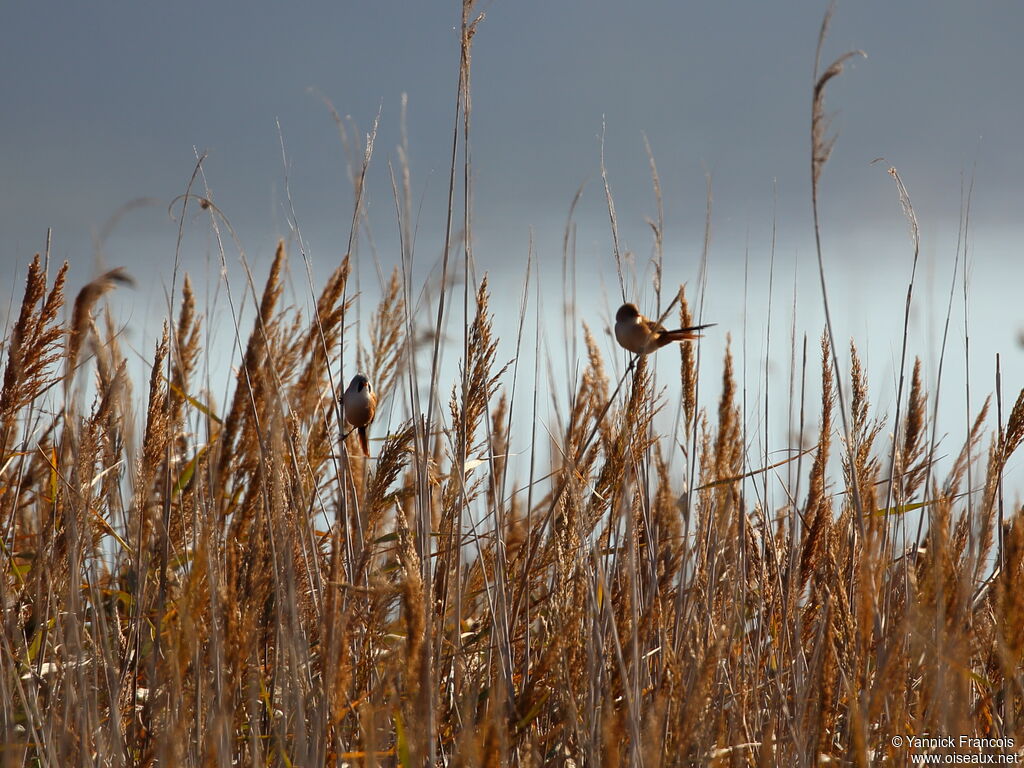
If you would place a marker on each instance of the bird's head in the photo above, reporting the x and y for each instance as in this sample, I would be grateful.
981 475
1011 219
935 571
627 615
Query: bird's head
359 383
626 313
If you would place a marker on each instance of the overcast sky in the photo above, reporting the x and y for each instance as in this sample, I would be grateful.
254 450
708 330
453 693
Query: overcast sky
103 102
106 102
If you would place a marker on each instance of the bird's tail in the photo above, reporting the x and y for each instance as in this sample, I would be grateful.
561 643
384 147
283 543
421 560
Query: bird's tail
364 441
682 334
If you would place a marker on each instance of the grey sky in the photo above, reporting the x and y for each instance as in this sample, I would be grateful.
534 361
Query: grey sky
104 101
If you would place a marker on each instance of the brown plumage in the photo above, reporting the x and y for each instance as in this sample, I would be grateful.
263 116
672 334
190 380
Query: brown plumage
360 405
641 335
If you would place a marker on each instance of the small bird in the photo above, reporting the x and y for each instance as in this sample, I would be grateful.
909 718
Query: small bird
360 406
641 335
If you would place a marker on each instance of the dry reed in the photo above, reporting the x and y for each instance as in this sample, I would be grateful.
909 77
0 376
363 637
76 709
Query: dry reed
237 588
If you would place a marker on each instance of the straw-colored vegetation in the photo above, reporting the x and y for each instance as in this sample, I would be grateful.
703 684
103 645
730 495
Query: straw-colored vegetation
184 584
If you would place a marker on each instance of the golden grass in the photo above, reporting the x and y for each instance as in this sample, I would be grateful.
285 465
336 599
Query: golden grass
187 586
208 617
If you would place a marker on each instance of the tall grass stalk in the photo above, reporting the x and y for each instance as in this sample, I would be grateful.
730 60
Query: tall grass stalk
593 570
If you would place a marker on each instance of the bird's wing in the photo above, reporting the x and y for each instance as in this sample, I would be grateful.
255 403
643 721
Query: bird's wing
654 327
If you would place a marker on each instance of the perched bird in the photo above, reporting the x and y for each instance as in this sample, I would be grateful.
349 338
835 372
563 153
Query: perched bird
360 406
641 335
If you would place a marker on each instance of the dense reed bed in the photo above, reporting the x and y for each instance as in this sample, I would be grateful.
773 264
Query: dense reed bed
191 584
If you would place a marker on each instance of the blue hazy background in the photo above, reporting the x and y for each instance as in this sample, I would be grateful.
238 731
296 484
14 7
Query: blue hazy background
109 102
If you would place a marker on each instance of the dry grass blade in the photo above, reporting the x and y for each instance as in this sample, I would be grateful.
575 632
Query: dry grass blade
244 401
821 142
84 302
817 509
183 590
821 149
34 345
